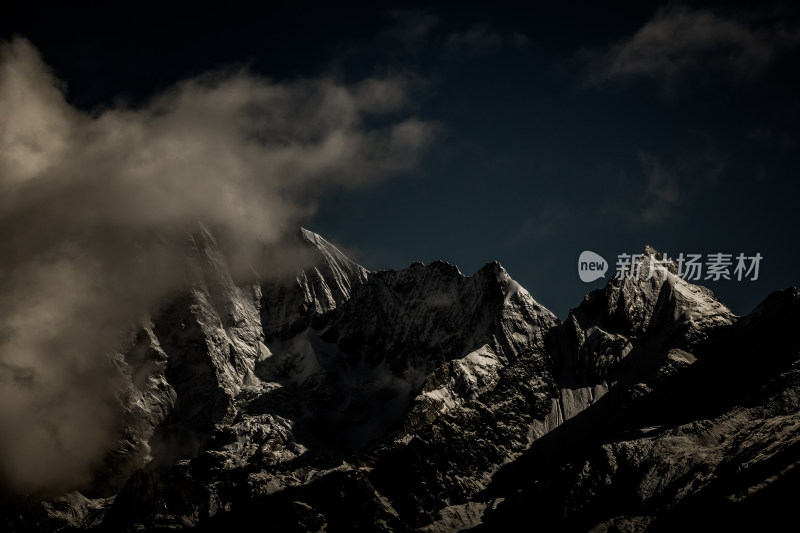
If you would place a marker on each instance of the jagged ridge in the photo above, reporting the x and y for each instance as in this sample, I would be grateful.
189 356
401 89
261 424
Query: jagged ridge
429 400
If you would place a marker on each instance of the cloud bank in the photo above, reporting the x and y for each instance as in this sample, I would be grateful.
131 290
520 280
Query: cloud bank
673 186
680 43
95 207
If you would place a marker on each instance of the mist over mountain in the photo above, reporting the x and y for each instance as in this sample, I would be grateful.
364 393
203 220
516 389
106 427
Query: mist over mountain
335 398
95 207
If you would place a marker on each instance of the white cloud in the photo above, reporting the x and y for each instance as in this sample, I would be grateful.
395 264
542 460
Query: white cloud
82 195
680 42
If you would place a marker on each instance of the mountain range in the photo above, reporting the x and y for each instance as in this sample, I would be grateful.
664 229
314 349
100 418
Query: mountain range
421 399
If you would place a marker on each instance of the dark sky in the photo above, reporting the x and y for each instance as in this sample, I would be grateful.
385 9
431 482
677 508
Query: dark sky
561 129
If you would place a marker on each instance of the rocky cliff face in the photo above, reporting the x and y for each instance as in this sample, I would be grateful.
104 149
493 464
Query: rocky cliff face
423 399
